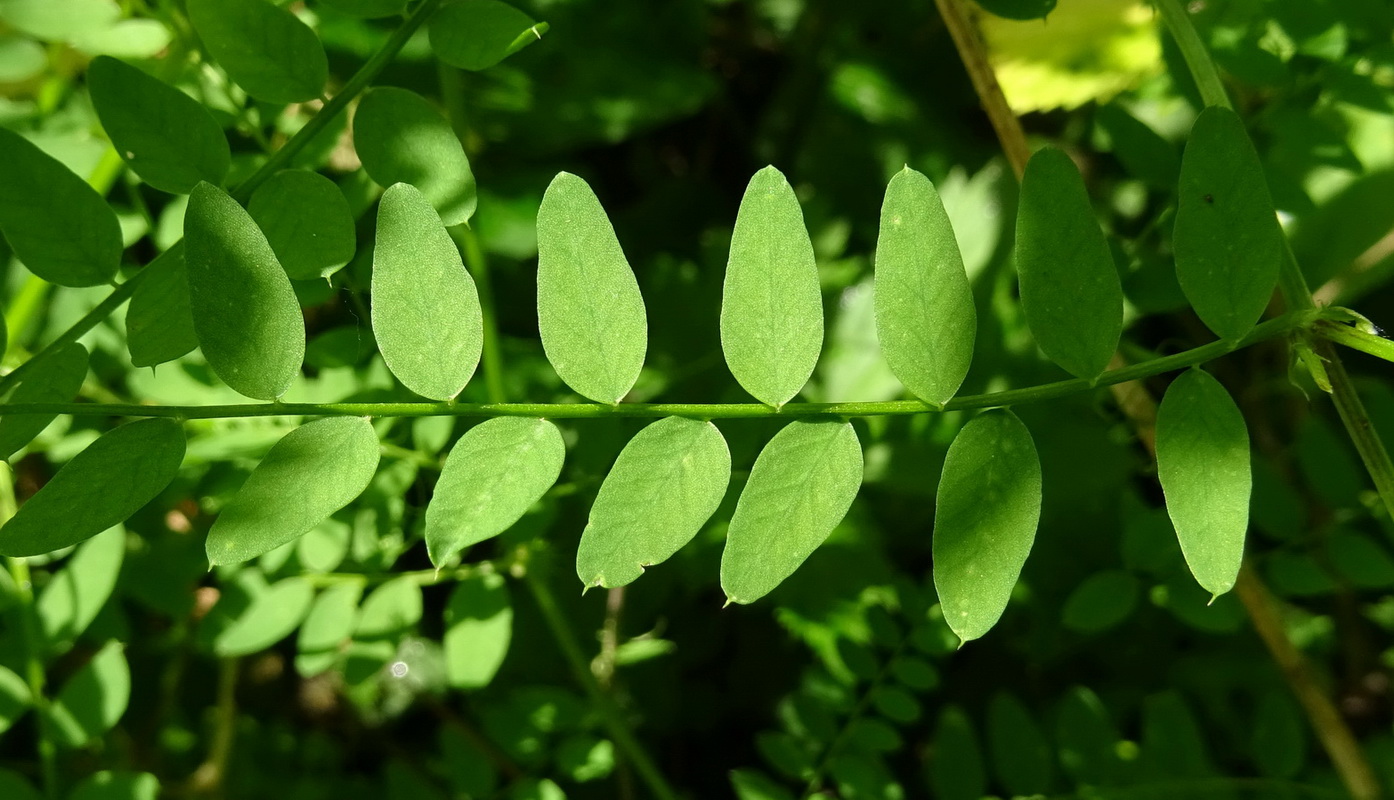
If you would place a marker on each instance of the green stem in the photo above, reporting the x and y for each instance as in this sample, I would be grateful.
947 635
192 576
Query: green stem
1198 61
1271 329
815 783
610 713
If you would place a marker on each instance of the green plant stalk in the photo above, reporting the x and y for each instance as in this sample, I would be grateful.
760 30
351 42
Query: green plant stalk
355 86
1270 329
610 713
815 782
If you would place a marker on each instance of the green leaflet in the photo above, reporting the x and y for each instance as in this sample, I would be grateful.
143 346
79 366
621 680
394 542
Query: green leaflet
56 22
367 9
307 221
925 319
14 786
327 629
589 309
264 48
985 517
1020 753
54 379
1203 464
101 487
246 315
665 485
15 699
312 472
273 615
391 610
493 475
801 486
478 628
401 138
771 306
61 229
425 309
477 34
160 320
93 700
109 785
957 772
1227 240
74 597
168 138
1070 289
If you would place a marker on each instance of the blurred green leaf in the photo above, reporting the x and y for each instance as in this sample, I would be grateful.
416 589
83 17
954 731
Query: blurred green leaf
76 594
109 785
327 628
273 615
92 700
478 630
1021 756
401 138
265 49
956 771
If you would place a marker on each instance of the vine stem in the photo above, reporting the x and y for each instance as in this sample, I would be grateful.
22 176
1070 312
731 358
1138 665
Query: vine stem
355 86
1271 329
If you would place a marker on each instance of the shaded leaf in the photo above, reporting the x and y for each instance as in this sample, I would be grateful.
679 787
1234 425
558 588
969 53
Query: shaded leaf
56 378
771 306
160 318
14 786
493 475
74 596
307 222
101 487
166 137
985 516
312 472
15 699
800 488
246 315
367 9
109 785
1103 601
477 34
1070 289
1021 756
93 700
957 772
589 309
478 629
61 229
1227 240
425 308
665 485
273 615
401 138
925 319
265 49
1279 737
1203 464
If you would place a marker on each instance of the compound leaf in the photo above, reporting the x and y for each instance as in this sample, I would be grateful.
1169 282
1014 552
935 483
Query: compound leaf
274 613
925 319
101 487
1227 240
312 472
401 138
307 221
55 378
1070 289
160 318
800 488
265 49
61 229
425 308
493 475
246 315
771 306
478 629
93 700
166 137
477 34
985 517
589 309
1203 464
665 485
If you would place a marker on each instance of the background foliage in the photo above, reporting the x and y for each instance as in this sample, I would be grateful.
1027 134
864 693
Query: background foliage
343 665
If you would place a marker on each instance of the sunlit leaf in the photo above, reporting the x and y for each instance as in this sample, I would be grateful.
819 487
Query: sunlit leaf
101 487
61 229
478 629
56 22
1070 289
589 310
109 785
401 138
493 475
1227 240
55 378
665 485
265 49
390 610
1203 464
75 595
477 34
925 319
166 137
246 315
985 517
93 699
312 472
307 222
272 616
327 629
771 306
15 699
426 314
800 488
